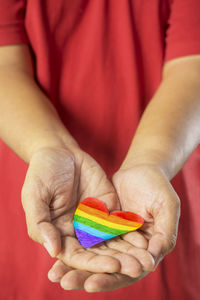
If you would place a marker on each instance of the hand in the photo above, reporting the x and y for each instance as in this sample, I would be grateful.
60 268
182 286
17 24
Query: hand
146 190
56 181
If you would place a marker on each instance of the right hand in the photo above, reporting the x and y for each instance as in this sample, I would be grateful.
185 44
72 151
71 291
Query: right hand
56 181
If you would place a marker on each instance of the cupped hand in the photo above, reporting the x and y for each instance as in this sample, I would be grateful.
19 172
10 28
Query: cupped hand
56 181
146 190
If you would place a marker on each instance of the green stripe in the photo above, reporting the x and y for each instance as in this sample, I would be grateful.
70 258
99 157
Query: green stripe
98 226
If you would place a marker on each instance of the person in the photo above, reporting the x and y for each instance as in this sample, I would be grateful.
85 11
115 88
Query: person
99 99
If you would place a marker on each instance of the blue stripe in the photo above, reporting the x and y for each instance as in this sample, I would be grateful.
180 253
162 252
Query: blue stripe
93 231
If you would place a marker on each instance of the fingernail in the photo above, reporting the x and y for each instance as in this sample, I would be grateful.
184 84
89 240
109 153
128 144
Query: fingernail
48 248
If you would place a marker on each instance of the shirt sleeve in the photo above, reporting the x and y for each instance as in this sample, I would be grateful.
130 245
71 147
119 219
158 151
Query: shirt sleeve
12 17
183 33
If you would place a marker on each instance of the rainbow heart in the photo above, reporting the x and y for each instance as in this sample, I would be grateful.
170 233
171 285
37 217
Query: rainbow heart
93 224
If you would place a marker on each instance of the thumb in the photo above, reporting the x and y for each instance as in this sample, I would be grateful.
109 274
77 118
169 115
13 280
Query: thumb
39 226
109 196
165 230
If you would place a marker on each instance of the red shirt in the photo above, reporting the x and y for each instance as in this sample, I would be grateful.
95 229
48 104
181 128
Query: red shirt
100 62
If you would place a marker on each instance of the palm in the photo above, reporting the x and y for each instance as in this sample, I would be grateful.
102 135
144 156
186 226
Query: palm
71 184
146 190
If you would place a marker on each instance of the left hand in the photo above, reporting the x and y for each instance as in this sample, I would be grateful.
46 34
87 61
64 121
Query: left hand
146 190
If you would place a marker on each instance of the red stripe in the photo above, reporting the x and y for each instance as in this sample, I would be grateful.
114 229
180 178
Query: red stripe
95 203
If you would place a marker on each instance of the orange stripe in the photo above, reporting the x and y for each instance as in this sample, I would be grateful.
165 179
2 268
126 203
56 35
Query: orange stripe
127 215
110 218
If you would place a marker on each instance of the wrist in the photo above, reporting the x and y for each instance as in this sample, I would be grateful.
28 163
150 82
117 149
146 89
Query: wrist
53 140
150 158
166 153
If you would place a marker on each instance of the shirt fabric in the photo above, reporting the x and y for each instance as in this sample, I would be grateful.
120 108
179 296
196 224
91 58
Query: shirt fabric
100 62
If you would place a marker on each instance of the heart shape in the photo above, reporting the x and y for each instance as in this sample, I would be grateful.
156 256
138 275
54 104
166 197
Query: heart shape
93 224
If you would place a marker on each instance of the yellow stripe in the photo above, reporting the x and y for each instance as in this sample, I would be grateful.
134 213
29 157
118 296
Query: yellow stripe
104 222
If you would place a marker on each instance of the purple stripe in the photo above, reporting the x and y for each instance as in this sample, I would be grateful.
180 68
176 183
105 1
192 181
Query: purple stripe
87 240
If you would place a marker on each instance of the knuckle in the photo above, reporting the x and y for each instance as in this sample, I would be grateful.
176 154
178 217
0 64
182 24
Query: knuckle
31 233
171 243
148 263
177 203
129 250
146 260
134 269
24 196
137 271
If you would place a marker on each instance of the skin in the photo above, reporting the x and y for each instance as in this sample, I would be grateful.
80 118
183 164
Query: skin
50 198
60 174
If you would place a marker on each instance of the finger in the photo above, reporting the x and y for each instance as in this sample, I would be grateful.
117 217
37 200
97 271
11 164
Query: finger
107 282
136 239
38 220
74 255
166 217
95 183
74 279
142 256
57 271
129 264
79 279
